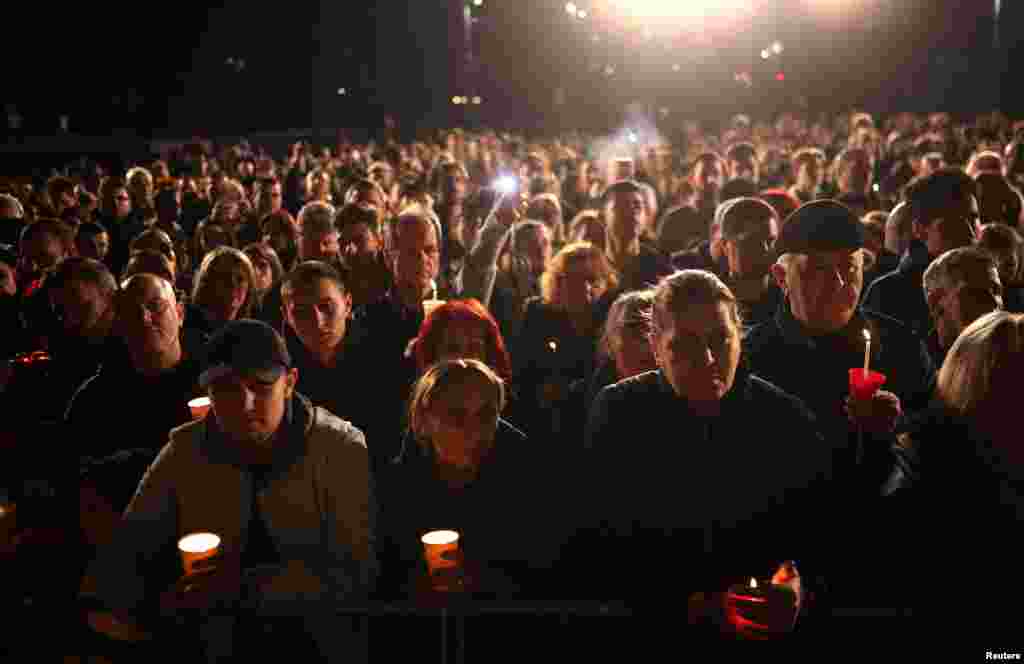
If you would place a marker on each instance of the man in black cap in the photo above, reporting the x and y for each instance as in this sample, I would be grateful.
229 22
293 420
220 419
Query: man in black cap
819 333
283 484
944 211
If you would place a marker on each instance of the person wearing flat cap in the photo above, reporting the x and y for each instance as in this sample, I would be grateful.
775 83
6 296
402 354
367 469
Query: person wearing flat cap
818 335
284 484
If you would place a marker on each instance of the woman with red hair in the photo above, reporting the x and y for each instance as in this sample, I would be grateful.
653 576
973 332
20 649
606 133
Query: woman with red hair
461 329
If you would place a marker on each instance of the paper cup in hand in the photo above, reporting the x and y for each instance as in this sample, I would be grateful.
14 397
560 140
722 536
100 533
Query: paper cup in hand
196 548
8 524
430 305
441 548
199 407
863 386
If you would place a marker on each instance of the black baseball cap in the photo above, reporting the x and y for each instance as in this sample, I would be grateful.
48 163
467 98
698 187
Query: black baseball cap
248 347
823 225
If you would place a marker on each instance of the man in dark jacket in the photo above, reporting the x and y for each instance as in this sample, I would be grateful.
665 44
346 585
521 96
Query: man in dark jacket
323 347
944 208
146 393
717 502
818 335
749 229
961 286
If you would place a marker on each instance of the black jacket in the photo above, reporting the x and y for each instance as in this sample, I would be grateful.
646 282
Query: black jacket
119 408
955 518
816 369
900 294
685 503
511 495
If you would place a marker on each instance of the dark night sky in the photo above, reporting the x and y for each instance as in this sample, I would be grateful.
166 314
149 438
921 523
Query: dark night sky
114 64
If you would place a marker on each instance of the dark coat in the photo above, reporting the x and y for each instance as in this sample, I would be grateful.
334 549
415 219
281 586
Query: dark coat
119 408
900 294
816 369
512 495
386 327
954 518
683 503
535 363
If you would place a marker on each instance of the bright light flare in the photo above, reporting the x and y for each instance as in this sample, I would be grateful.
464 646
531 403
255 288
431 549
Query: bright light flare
672 10
570 8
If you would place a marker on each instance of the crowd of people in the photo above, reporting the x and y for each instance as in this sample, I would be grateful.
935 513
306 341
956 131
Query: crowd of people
618 368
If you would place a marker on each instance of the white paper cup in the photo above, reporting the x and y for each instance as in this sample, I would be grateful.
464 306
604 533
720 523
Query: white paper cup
430 305
197 547
199 407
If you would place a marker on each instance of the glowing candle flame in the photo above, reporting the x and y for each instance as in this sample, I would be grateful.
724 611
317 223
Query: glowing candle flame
867 351
553 346
753 583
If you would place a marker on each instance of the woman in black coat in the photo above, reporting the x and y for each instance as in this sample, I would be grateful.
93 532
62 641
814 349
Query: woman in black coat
463 468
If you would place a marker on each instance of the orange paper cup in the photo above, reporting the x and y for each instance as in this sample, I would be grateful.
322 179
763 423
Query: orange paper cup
197 547
199 407
8 523
441 548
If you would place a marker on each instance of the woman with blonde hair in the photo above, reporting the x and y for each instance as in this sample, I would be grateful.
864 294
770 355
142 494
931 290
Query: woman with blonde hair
960 481
140 188
463 462
224 288
560 329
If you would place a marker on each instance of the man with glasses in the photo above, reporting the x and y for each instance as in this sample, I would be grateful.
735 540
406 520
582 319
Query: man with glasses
960 286
944 211
749 229
137 397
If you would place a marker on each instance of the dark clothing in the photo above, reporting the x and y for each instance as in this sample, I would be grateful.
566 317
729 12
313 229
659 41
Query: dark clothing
1013 299
645 269
72 362
491 513
885 262
756 309
699 258
121 232
548 352
688 501
338 389
956 515
816 370
270 309
900 294
388 327
119 408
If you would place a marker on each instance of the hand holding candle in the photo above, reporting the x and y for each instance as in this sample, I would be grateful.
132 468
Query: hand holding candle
759 609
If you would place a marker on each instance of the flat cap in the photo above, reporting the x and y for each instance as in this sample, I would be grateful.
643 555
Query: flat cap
822 225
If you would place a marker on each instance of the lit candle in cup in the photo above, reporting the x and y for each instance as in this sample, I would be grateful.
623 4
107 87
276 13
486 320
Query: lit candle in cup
867 352
433 302
197 547
441 548
199 407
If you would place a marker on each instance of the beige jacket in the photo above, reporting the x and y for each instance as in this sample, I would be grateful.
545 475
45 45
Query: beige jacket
318 504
